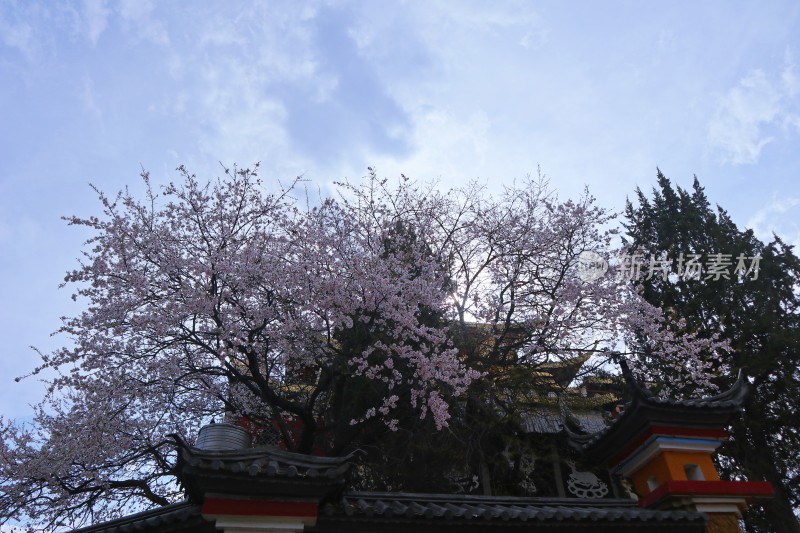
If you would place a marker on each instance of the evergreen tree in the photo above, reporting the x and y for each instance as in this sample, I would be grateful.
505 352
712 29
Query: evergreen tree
755 311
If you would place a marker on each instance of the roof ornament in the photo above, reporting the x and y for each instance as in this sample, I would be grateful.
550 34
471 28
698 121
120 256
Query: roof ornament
223 437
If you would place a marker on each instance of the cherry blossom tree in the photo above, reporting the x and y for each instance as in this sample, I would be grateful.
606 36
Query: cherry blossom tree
514 268
320 323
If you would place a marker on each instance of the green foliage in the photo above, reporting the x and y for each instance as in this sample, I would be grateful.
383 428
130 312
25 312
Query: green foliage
757 315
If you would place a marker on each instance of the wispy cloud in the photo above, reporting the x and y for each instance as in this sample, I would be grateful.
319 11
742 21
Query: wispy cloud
778 218
95 18
444 144
138 13
231 77
747 115
89 98
18 35
789 77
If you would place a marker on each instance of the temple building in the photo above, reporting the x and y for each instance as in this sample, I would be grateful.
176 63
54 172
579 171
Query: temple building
649 468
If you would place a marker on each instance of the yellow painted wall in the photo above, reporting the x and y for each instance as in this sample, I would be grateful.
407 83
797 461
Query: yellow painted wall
657 467
669 466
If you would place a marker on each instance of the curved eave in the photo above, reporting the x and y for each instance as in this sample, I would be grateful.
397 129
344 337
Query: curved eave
647 410
182 516
261 471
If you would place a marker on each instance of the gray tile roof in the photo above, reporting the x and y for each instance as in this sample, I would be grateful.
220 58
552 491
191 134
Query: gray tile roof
550 421
444 508
266 461
426 512
262 471
183 516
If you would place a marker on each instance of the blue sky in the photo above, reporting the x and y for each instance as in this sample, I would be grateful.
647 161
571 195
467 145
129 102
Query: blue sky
595 93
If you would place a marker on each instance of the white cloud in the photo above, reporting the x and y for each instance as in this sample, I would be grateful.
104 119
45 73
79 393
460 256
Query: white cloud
789 77
19 36
737 128
444 144
135 9
778 217
791 121
535 38
666 41
248 132
89 98
138 13
494 17
747 114
480 104
96 15
227 71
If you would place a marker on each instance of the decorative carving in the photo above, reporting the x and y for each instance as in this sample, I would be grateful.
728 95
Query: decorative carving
526 461
585 484
526 465
463 483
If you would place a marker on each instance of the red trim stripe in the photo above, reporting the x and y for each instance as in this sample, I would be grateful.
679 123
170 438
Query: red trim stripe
744 489
224 506
710 433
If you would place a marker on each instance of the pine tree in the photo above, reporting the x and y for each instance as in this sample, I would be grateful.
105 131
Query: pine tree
756 312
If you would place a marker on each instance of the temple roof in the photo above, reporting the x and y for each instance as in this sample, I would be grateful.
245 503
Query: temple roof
368 511
182 516
648 410
448 508
267 475
267 471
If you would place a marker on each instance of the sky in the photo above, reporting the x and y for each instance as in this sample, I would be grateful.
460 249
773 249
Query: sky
595 94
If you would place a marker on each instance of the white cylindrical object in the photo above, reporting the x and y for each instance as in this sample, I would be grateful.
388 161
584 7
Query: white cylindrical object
222 437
